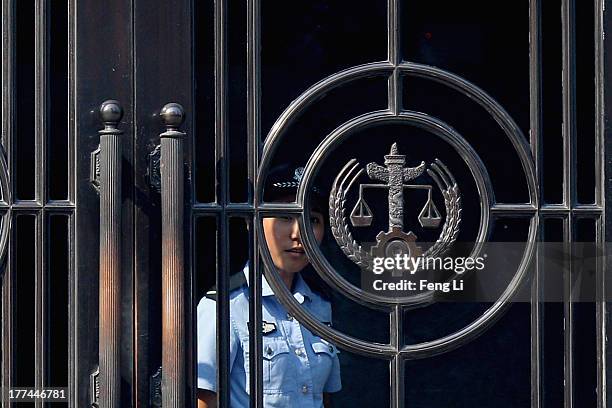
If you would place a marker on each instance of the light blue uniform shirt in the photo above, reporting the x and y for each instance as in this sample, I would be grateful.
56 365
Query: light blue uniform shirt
298 366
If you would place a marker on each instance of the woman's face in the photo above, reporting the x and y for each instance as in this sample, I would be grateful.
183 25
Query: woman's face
283 239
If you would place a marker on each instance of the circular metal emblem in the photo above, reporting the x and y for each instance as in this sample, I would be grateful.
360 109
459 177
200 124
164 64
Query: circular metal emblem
393 173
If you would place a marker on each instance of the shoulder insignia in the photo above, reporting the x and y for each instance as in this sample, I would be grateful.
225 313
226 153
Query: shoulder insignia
266 328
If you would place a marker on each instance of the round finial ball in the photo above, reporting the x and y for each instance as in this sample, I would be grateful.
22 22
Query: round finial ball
111 111
173 115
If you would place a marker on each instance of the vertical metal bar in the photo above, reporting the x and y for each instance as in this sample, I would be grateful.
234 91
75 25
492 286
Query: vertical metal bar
8 107
173 286
71 100
600 306
221 149
40 302
110 255
394 55
40 121
604 110
536 322
191 357
72 319
255 338
569 102
254 150
599 200
40 98
7 320
535 92
8 79
535 85
599 102
395 104
221 196
393 32
72 179
397 363
569 174
192 290
394 86
253 92
222 305
568 321
397 382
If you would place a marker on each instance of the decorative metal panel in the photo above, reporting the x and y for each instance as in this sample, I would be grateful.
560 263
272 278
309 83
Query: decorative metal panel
36 179
525 139
252 105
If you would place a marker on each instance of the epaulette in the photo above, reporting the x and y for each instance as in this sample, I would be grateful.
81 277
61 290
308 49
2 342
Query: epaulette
236 281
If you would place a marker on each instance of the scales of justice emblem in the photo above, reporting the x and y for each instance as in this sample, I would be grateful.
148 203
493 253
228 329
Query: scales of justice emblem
395 241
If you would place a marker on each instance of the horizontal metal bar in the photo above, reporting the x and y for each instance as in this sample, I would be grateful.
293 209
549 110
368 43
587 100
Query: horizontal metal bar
209 208
292 208
34 207
244 209
60 204
555 208
34 204
34 211
215 208
588 209
513 209
583 209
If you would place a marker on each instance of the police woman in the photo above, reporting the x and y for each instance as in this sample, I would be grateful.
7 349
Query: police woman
300 369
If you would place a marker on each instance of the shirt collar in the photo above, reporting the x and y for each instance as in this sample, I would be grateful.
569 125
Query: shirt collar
301 291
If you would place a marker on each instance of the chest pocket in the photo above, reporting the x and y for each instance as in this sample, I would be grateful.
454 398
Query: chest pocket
322 366
278 366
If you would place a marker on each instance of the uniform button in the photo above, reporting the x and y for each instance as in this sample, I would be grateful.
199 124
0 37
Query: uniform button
289 317
331 349
269 350
299 351
304 389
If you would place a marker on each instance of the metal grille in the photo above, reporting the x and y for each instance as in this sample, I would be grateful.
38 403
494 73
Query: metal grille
39 182
537 210
38 198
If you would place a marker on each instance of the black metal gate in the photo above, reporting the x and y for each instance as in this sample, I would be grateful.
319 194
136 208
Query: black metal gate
119 207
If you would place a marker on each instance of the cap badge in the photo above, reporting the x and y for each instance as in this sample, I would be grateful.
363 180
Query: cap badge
299 172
